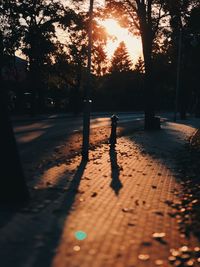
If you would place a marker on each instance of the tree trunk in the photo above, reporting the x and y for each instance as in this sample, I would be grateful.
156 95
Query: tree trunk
149 93
13 189
151 123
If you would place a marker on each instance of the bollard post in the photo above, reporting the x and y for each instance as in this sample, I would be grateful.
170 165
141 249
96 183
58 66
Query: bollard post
113 135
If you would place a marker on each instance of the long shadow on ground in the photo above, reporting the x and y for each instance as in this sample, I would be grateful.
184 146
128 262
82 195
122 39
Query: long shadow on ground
47 253
188 210
174 149
161 144
115 184
37 232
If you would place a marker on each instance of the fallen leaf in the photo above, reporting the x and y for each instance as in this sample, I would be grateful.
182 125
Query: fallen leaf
158 262
158 235
144 257
160 213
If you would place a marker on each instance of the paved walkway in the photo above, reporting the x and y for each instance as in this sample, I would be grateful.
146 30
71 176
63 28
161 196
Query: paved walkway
119 202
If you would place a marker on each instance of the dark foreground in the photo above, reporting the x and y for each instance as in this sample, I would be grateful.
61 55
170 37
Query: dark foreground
135 205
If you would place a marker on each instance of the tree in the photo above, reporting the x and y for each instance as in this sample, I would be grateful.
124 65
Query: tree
191 57
99 56
59 78
143 16
100 61
139 65
120 61
10 33
78 50
10 27
179 37
13 186
38 20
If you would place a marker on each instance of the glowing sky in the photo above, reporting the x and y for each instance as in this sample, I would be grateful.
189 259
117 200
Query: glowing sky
133 43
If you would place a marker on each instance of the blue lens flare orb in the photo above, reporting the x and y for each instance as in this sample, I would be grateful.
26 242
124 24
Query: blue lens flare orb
80 235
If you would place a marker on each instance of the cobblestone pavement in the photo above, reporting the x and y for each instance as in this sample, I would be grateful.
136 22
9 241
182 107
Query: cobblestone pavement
118 200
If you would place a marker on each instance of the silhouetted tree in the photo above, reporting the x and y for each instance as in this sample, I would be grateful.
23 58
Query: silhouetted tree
78 45
9 27
120 61
38 21
191 57
139 65
119 91
179 12
11 34
99 56
13 188
143 17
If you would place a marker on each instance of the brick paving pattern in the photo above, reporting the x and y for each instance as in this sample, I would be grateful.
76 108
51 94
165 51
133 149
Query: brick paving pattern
119 199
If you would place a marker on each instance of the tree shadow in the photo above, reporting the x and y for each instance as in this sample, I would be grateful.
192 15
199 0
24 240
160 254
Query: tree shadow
162 145
115 184
47 223
8 211
41 151
46 255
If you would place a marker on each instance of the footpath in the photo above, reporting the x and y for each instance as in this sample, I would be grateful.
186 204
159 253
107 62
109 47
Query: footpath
117 210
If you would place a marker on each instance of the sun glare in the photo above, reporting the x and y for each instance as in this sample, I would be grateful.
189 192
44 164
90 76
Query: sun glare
113 28
120 34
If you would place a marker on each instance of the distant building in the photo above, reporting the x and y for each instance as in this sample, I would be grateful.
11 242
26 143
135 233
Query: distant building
14 74
15 69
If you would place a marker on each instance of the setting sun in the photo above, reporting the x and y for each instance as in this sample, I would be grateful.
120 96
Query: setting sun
120 34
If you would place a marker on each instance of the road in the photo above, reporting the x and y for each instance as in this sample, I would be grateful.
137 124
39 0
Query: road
27 132
47 142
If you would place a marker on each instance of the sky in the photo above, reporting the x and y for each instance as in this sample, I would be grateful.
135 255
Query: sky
133 43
